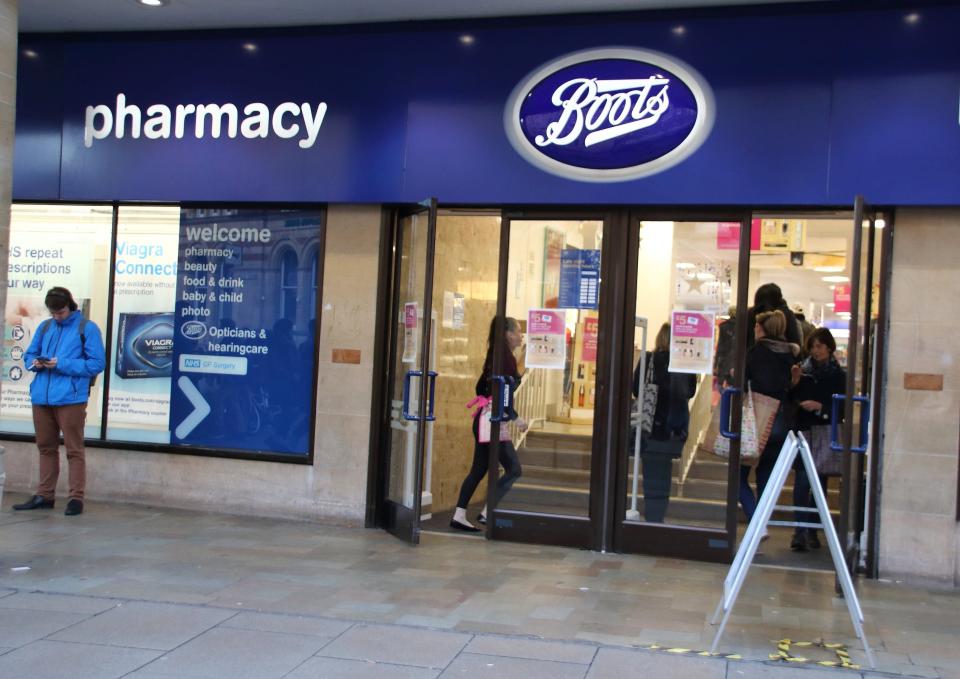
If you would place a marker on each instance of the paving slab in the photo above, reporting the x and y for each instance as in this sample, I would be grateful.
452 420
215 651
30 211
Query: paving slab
18 627
62 603
238 654
288 624
399 645
616 664
145 625
532 649
326 668
750 670
492 667
56 660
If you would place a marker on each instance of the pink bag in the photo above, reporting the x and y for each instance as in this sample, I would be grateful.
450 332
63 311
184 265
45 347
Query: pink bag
484 426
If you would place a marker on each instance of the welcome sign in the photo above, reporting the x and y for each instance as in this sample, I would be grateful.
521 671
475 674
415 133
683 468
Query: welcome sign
609 115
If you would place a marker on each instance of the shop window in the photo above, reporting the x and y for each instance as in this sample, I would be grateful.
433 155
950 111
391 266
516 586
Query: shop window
51 245
288 285
196 361
144 292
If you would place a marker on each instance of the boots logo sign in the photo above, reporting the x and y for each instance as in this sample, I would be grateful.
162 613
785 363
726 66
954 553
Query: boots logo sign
609 115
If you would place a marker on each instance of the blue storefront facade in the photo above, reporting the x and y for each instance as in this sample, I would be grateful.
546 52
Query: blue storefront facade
260 146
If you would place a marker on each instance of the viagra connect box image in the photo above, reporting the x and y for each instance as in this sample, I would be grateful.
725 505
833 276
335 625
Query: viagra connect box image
144 345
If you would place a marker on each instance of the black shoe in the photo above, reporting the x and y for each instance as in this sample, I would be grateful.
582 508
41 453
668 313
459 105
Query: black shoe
464 527
799 542
36 502
481 519
74 507
813 542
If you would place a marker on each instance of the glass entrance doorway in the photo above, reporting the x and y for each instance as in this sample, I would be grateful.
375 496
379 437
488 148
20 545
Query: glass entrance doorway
620 329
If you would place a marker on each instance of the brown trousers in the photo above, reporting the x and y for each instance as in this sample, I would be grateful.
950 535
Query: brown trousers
48 422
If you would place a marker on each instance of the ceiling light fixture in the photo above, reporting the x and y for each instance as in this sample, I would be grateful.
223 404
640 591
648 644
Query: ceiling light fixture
30 54
836 279
154 3
828 269
467 39
250 47
912 19
679 30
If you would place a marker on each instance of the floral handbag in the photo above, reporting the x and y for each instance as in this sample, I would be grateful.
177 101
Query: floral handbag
649 406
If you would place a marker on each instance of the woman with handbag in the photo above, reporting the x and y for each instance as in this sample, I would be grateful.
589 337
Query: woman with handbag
769 372
817 379
665 423
512 337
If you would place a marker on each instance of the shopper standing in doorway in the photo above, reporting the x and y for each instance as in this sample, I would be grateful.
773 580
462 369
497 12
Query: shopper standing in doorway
66 354
506 345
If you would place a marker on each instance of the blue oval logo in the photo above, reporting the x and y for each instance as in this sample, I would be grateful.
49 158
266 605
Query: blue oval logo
193 330
609 115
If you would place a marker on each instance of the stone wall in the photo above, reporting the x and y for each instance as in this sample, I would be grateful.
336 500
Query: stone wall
8 100
919 537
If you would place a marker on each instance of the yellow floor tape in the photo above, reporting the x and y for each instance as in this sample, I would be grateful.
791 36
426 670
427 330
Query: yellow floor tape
785 653
683 651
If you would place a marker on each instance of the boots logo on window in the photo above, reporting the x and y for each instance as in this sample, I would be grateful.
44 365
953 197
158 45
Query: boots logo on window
609 115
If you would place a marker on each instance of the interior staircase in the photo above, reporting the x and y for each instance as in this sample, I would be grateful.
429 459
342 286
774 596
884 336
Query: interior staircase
556 480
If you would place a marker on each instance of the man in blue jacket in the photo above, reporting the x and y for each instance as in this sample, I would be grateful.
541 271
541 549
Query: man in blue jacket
66 354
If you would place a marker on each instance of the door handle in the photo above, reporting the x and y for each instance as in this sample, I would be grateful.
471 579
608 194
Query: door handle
864 422
497 404
725 400
405 412
432 377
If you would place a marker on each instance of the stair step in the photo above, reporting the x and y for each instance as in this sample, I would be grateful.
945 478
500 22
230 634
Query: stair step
576 499
559 459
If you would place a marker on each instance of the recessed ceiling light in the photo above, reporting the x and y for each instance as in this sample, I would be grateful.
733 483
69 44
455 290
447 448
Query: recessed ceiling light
154 3
250 47
912 19
835 279
30 54
679 30
467 39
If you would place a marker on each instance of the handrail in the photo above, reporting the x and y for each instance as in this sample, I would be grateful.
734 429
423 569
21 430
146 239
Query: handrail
530 402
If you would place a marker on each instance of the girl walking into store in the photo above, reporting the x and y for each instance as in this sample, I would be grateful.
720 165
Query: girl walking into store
506 345
817 379
769 371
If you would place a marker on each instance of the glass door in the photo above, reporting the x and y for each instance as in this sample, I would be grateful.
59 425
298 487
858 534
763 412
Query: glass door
551 291
823 276
410 382
684 345
852 439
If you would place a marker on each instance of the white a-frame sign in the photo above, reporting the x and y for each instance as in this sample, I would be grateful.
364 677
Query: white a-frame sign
794 445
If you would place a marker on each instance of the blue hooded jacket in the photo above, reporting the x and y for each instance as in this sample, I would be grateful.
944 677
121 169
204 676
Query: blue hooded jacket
69 382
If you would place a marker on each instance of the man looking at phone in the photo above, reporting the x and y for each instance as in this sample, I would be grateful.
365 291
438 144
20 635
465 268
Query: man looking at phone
66 353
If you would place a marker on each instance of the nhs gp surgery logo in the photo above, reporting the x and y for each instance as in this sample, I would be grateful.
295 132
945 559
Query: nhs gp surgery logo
609 115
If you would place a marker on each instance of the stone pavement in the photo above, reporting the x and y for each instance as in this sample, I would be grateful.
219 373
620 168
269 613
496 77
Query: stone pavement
131 591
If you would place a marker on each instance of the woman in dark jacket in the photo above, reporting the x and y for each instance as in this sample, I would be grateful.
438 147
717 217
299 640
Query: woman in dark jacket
512 337
671 423
769 371
769 297
818 378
